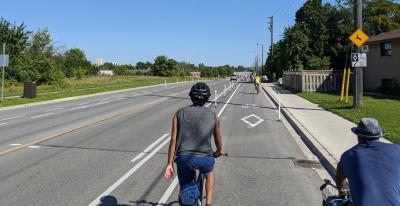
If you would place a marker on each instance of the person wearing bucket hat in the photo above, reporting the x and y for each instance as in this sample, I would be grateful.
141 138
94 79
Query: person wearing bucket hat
371 167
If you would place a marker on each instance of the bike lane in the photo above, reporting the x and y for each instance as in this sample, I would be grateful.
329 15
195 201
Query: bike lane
260 168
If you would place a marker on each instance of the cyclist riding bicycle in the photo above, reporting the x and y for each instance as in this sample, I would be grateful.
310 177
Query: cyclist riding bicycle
371 167
192 128
257 83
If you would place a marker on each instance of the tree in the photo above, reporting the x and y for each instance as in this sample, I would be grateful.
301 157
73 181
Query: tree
381 16
75 58
16 37
41 53
163 66
141 66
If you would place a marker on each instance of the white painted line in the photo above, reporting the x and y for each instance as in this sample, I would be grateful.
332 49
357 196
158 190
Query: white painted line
34 147
121 98
227 102
1 124
82 103
42 115
87 106
104 99
128 174
139 156
172 186
51 110
168 192
16 144
9 118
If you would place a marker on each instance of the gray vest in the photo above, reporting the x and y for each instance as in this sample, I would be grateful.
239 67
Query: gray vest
195 127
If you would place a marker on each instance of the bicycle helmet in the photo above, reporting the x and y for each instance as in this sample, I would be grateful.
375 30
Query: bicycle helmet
200 93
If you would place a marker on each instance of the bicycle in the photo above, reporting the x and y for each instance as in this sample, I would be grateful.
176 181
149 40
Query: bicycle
199 178
330 195
257 87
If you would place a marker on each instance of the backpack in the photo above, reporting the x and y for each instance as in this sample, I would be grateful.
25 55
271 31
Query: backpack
189 194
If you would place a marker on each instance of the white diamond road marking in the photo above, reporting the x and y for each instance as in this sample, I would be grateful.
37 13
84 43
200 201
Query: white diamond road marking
251 125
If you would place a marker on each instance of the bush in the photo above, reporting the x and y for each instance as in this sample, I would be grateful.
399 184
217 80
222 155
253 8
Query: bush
121 71
79 72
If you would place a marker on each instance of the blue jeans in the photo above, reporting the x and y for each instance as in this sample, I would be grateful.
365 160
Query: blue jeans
184 163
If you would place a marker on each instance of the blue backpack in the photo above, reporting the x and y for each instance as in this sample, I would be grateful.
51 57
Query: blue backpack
189 194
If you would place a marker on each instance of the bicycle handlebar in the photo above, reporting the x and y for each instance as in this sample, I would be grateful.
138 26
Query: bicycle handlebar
216 156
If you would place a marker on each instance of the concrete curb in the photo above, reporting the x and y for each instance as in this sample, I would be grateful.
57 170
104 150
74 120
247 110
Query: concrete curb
323 155
84 96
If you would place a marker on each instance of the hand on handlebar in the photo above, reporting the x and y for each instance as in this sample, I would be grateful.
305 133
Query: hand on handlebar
217 154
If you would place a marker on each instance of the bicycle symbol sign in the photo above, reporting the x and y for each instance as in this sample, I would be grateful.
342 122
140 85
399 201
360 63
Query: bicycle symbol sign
359 60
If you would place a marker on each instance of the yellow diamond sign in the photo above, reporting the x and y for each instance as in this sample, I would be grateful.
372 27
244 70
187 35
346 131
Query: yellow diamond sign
358 38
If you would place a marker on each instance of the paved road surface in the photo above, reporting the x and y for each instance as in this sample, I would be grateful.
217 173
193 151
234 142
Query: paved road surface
113 147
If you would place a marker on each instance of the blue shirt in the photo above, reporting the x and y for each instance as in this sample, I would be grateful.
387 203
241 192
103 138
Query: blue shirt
373 171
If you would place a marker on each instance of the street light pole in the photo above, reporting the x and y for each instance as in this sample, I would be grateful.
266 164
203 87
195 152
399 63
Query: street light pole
2 78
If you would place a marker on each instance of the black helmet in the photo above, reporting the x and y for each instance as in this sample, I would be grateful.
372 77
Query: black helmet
200 93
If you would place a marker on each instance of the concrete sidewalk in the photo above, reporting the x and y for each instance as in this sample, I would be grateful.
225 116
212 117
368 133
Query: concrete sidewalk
326 134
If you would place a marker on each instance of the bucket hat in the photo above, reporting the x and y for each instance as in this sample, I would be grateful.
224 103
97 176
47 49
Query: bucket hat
368 128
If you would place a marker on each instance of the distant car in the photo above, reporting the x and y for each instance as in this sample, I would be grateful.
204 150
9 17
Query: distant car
280 81
264 78
233 78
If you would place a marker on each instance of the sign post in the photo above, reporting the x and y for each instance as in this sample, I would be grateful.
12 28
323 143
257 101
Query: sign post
358 38
4 63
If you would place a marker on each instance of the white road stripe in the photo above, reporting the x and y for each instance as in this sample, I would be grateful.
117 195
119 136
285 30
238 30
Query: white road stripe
42 115
51 110
139 156
168 193
12 118
87 106
171 188
34 147
82 103
104 99
17 144
1 124
227 102
128 174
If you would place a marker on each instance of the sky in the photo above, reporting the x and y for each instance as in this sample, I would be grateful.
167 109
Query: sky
213 32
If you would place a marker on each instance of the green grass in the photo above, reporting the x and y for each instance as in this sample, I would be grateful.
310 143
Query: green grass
385 109
90 85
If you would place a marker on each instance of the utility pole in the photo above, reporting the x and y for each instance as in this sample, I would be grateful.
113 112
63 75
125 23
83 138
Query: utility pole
271 29
358 71
262 58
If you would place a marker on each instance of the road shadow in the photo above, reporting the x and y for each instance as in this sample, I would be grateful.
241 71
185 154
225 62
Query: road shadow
109 201
149 203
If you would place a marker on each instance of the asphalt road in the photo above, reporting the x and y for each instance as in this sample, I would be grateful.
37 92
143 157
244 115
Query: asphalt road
111 150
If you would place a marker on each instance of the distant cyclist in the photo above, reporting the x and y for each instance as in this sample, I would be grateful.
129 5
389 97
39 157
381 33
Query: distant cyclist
371 167
257 83
192 128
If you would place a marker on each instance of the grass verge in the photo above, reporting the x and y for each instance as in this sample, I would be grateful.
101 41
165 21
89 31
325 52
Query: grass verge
385 109
90 85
